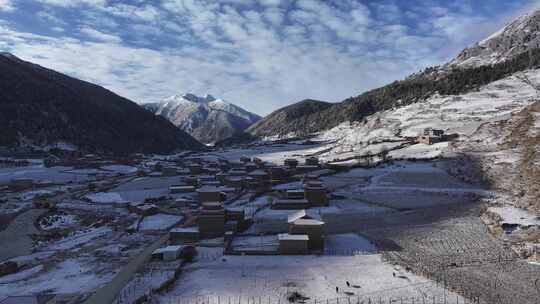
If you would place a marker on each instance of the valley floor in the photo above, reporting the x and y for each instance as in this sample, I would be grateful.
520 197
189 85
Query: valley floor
405 231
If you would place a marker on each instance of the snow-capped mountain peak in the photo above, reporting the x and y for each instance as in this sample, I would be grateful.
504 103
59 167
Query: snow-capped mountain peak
519 36
207 118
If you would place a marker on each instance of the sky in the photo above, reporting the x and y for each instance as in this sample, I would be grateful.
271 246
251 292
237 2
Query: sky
258 54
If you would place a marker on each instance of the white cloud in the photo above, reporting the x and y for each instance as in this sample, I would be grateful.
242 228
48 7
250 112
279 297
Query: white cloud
100 36
261 57
74 3
6 6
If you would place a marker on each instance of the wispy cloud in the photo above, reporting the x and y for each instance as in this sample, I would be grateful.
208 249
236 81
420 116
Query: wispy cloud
99 36
259 54
6 6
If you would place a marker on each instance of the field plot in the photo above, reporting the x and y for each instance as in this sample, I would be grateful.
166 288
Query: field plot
463 255
313 277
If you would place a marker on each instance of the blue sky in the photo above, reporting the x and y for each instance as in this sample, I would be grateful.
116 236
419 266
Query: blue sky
261 54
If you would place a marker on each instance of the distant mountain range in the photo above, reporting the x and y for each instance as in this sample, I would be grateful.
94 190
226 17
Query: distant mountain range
42 108
206 118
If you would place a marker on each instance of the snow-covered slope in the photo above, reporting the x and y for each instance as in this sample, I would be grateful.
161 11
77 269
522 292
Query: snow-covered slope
519 36
496 131
206 118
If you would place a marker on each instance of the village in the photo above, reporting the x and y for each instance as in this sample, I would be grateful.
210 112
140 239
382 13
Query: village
265 223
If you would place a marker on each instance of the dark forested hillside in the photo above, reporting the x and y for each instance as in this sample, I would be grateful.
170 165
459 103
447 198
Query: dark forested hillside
44 107
418 87
288 118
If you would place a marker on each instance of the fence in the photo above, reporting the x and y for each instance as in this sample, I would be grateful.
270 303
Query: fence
292 299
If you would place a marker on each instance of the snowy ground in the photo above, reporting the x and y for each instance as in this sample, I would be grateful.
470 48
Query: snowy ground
315 277
69 276
41 173
513 215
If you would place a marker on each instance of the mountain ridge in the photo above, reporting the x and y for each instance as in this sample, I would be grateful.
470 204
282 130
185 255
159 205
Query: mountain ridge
65 109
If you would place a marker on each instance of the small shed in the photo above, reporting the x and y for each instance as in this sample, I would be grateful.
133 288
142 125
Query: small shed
169 253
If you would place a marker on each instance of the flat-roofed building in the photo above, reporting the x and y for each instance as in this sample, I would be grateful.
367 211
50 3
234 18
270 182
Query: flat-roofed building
21 183
181 189
235 182
222 177
169 171
431 136
184 235
185 202
290 204
316 194
211 194
195 168
211 220
169 253
312 228
293 244
277 173
312 161
306 168
291 162
295 194
237 172
250 166
191 180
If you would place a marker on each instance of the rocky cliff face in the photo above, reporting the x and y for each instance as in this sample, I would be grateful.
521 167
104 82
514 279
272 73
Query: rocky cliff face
41 107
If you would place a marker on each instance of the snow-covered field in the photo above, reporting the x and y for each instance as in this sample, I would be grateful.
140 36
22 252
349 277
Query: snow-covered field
315 277
69 276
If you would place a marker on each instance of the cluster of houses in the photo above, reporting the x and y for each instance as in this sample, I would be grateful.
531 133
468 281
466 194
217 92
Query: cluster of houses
313 194
213 183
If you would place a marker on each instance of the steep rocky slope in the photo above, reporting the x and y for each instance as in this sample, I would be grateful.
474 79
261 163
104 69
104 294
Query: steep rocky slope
206 118
42 107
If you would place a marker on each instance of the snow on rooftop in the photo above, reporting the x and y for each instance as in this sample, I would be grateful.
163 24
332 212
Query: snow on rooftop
159 222
293 237
105 198
308 222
